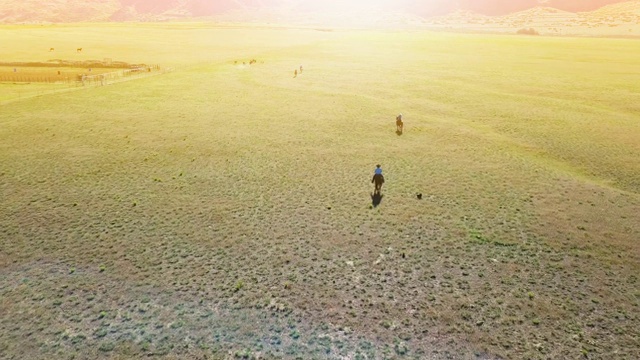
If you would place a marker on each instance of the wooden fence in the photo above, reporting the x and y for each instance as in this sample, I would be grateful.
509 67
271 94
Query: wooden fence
25 76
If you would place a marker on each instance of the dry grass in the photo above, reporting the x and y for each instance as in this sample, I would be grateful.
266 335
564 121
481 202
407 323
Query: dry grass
223 211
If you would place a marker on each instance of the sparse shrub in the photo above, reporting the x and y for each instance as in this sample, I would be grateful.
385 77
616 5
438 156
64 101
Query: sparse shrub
239 285
177 324
401 348
529 31
78 339
107 346
243 354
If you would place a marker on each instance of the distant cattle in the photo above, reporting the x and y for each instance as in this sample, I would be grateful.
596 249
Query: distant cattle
51 49
79 50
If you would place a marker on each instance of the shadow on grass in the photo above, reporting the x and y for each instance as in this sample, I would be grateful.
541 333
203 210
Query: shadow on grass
376 199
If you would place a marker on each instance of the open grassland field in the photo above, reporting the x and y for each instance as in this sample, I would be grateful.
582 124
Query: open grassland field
224 210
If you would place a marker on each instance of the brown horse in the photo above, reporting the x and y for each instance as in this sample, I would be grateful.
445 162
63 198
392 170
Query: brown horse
377 180
79 50
399 124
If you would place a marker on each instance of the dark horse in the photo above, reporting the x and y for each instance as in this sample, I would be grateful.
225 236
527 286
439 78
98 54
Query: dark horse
378 180
399 124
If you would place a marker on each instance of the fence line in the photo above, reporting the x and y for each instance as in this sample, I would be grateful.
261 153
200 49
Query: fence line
85 81
66 78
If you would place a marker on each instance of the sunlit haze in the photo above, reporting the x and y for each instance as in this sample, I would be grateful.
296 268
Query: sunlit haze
319 179
339 6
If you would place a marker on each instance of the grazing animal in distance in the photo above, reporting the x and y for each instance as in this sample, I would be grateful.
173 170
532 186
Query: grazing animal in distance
51 49
399 124
79 50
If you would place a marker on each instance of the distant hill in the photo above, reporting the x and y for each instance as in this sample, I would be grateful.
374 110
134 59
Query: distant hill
504 7
620 19
21 11
623 9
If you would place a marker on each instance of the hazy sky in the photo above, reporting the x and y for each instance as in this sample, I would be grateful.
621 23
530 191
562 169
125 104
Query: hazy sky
87 10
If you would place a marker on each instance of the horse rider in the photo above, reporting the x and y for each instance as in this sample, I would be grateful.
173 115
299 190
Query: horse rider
378 170
378 178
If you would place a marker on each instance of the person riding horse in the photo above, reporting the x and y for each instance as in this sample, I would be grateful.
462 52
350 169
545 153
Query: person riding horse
378 179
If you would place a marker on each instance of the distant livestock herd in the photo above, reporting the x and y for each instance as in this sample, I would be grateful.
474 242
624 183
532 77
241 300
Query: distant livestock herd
79 50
